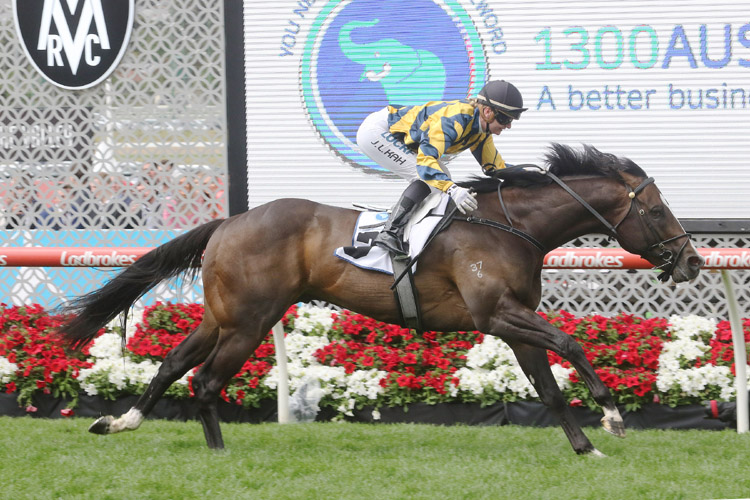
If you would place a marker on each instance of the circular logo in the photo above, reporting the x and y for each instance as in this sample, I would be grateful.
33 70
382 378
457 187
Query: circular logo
362 55
74 44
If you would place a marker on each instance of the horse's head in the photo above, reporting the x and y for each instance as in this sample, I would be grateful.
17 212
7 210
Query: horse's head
651 230
643 223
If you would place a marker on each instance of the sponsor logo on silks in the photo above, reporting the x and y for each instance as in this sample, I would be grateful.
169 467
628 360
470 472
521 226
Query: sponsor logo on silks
75 44
361 55
571 260
90 259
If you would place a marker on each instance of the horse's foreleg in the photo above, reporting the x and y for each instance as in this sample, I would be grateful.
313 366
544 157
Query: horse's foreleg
517 323
534 363
188 354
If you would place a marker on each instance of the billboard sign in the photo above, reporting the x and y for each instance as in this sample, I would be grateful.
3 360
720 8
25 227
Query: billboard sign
662 84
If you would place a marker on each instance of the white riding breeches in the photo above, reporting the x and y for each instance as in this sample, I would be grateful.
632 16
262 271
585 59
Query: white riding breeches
376 141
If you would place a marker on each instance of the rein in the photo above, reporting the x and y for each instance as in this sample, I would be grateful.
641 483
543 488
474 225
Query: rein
503 227
670 260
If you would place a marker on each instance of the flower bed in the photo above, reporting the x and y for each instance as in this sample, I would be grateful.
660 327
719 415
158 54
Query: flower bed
350 361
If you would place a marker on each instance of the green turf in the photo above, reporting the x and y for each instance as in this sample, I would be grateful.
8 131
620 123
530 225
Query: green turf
43 459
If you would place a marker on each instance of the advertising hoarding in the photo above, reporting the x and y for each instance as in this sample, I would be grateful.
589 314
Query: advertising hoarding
665 84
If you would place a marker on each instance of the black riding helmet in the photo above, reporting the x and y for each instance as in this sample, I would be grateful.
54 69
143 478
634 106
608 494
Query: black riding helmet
503 97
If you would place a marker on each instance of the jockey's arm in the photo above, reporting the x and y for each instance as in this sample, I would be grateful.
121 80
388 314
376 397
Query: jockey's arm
437 139
487 155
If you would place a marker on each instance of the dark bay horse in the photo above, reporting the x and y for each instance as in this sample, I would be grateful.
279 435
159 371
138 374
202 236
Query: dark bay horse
255 265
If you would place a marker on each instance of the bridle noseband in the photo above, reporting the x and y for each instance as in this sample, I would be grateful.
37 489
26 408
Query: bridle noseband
670 260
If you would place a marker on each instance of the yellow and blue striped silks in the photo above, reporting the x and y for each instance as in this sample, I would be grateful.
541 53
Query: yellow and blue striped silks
443 127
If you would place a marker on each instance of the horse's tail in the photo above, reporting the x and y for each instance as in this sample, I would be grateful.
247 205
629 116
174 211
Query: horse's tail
94 310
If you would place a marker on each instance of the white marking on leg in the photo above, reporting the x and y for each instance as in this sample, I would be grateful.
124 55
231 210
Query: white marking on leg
613 414
128 422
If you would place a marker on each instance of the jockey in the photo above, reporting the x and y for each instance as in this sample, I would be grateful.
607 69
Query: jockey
410 141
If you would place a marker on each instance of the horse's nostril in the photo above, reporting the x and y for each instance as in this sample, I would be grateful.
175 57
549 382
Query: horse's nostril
696 261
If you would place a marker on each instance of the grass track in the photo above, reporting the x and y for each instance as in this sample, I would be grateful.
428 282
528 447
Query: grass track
43 459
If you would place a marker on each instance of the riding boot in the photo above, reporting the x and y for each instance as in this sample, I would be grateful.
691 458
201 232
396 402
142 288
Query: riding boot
392 236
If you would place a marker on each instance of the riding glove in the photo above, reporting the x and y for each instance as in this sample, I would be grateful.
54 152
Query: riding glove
465 199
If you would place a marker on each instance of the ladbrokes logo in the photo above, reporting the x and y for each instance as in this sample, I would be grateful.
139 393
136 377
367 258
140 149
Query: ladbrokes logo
361 55
571 260
74 44
90 259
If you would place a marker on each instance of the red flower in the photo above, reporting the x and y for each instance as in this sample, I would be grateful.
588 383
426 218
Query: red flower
67 412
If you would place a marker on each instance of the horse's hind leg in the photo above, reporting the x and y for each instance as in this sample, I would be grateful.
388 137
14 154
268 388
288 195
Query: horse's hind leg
533 361
234 347
188 354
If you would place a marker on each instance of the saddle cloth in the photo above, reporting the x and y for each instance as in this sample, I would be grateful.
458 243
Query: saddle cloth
362 254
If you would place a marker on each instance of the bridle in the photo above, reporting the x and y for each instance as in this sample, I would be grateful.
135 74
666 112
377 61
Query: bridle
669 258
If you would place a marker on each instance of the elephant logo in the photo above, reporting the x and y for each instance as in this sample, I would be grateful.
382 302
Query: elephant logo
357 60
408 75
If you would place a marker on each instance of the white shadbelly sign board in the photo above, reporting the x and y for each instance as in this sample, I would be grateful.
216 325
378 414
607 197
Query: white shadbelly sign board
666 84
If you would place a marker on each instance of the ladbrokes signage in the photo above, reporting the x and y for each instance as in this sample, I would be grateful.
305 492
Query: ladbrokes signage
74 44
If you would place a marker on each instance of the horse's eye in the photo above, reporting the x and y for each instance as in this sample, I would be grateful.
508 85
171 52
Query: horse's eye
656 212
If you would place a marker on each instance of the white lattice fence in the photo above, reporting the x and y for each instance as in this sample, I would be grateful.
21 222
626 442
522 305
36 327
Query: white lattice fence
129 162
639 292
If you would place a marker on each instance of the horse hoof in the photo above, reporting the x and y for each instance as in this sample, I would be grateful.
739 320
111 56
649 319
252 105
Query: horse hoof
102 424
614 427
596 453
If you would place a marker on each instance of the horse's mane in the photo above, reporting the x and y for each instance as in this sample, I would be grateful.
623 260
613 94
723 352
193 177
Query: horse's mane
564 161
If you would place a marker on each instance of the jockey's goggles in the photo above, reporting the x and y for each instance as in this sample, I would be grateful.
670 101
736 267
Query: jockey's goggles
502 117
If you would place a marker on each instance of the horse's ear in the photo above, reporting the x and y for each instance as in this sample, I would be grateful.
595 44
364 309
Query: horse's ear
522 175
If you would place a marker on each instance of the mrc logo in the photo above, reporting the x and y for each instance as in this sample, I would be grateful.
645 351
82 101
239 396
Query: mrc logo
74 44
361 55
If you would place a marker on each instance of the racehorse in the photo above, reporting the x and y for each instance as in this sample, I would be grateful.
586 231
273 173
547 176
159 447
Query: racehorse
256 264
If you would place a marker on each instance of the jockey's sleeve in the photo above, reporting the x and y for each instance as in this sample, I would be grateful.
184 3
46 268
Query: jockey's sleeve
487 155
440 136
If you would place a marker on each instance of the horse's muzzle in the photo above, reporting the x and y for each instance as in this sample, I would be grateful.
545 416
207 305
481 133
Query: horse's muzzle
688 267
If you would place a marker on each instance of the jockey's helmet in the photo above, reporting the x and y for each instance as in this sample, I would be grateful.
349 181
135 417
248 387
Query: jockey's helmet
502 96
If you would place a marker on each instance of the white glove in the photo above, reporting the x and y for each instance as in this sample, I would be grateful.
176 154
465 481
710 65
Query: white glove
464 199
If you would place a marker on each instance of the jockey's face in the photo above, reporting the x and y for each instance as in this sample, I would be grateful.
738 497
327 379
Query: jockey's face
488 116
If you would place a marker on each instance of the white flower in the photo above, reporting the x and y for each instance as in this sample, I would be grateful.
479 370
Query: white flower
121 372
313 320
492 365
7 370
687 346
691 326
134 315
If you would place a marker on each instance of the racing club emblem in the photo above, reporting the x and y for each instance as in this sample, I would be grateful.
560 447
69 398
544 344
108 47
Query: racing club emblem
74 44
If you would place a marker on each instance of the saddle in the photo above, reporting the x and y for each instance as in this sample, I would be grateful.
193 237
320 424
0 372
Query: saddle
433 215
428 220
